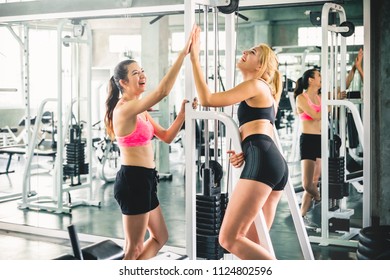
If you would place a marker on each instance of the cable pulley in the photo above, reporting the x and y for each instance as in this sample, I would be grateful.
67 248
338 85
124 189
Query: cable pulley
351 28
231 8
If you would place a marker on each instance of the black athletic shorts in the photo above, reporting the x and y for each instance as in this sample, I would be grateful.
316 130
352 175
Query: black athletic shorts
264 162
135 189
310 146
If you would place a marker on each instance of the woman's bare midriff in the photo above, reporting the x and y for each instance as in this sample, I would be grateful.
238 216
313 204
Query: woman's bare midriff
256 127
138 156
311 127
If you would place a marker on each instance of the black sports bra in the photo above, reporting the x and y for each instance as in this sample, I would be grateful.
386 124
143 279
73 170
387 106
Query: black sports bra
246 113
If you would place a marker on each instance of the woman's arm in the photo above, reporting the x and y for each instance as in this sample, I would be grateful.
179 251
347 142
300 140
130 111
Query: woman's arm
356 66
350 76
303 106
163 89
167 135
358 63
241 92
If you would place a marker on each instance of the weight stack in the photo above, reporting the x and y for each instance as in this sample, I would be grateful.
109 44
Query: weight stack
338 189
209 218
208 224
224 203
75 160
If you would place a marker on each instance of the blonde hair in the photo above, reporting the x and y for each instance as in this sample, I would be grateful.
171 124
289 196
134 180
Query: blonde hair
269 70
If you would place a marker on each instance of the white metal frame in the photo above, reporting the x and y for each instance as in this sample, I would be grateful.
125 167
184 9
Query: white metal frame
330 59
56 202
25 64
366 114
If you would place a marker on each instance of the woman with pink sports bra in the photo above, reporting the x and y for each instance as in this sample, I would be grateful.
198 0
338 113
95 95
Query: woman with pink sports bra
128 121
308 106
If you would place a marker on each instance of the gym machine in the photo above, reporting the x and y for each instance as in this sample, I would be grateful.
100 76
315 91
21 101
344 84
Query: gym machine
335 217
200 241
107 156
60 201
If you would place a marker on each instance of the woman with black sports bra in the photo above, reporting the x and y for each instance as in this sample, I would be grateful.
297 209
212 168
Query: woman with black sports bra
265 172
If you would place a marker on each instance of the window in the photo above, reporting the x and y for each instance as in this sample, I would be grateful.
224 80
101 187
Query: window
312 36
13 1
10 73
128 45
178 40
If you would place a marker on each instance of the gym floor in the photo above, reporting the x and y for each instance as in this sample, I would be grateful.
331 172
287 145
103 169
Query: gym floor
105 221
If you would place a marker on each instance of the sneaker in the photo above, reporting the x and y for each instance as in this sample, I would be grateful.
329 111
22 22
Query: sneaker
309 224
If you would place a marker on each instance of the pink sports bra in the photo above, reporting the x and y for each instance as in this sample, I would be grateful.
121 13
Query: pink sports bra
141 135
317 108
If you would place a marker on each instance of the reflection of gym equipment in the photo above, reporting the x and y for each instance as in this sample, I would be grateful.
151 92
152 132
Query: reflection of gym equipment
45 125
107 154
22 149
285 115
49 128
75 156
11 144
7 135
335 217
196 239
60 201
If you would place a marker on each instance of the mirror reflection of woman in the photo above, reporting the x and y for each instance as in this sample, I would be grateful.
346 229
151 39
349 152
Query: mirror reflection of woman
308 106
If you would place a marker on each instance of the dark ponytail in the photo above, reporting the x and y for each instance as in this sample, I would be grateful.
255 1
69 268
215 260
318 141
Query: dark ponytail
303 82
114 88
298 88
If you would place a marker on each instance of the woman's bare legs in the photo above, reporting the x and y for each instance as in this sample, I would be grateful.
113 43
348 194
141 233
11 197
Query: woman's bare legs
135 227
158 234
311 191
269 210
247 199
316 176
252 234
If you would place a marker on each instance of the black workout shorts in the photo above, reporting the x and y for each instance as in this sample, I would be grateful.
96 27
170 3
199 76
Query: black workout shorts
135 189
264 162
310 146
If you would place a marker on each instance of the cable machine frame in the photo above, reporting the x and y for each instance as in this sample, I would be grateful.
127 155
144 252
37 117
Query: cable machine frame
330 84
56 202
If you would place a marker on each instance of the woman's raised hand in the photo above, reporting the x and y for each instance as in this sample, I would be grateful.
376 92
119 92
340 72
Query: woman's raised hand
188 46
195 48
